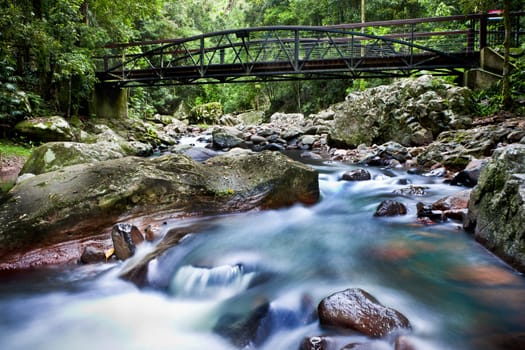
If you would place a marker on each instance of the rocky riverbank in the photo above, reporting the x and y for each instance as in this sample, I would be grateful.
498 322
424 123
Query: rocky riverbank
421 125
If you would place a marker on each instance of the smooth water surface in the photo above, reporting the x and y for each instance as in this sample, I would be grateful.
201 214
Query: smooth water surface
455 293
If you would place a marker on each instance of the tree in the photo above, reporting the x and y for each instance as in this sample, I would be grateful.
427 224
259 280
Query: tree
506 93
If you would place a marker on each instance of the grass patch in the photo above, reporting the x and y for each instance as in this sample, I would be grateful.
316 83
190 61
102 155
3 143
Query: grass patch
8 148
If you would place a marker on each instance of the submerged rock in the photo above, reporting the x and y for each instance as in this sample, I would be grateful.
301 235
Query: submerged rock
357 310
496 211
83 200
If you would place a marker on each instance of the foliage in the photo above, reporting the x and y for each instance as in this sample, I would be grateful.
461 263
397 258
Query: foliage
46 49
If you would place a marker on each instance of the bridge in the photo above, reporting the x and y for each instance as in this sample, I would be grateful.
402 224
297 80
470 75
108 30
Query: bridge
440 46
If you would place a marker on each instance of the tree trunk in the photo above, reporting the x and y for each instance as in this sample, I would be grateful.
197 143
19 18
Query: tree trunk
507 98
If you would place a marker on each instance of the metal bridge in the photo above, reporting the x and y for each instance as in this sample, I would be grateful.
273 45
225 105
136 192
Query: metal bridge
440 46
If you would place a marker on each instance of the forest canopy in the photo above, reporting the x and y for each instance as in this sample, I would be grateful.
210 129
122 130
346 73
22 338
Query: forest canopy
47 48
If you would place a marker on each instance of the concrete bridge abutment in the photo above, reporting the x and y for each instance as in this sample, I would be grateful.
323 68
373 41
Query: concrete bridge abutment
109 102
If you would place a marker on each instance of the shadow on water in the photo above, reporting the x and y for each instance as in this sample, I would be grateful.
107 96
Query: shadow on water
254 280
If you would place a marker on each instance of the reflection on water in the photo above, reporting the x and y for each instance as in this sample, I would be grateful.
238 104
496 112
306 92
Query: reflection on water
455 293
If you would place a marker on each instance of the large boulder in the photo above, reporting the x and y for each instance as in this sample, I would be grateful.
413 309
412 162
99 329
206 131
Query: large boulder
455 149
81 201
56 155
46 129
497 205
409 111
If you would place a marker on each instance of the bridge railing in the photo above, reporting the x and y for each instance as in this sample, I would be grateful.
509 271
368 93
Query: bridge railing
297 49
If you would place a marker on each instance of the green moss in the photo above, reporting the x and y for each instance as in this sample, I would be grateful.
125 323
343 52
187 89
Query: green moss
8 148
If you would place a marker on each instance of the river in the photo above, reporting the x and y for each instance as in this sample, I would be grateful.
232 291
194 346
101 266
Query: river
455 293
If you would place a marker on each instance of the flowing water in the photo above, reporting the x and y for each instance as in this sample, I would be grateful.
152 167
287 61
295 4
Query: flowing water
455 293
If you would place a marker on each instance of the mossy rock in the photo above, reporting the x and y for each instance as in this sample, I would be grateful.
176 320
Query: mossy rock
497 205
207 113
46 129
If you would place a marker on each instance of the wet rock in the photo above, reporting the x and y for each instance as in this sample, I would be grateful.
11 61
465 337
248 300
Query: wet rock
356 175
241 330
256 139
200 154
372 345
412 191
317 343
426 211
93 254
404 343
125 239
227 137
456 201
390 208
496 211
80 201
46 129
469 176
358 310
453 207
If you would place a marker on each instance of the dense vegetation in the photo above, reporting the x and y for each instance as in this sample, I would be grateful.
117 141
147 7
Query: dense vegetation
46 48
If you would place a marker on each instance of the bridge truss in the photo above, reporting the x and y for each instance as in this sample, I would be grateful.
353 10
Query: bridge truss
442 46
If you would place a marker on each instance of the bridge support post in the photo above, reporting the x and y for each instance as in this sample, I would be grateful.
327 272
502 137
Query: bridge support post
109 102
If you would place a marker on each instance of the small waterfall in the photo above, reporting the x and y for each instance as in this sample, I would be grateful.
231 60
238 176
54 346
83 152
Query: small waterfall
219 281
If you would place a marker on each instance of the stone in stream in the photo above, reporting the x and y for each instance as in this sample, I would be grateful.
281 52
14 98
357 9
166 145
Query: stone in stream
93 254
316 343
390 208
356 175
357 310
125 239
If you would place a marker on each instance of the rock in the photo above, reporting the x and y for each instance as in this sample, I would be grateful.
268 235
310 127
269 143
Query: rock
456 201
81 201
251 118
496 211
453 207
357 310
207 113
412 191
371 345
390 208
93 254
240 330
229 120
199 154
126 238
404 343
456 148
316 343
227 137
287 119
256 139
359 174
409 112
57 155
46 129
469 176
